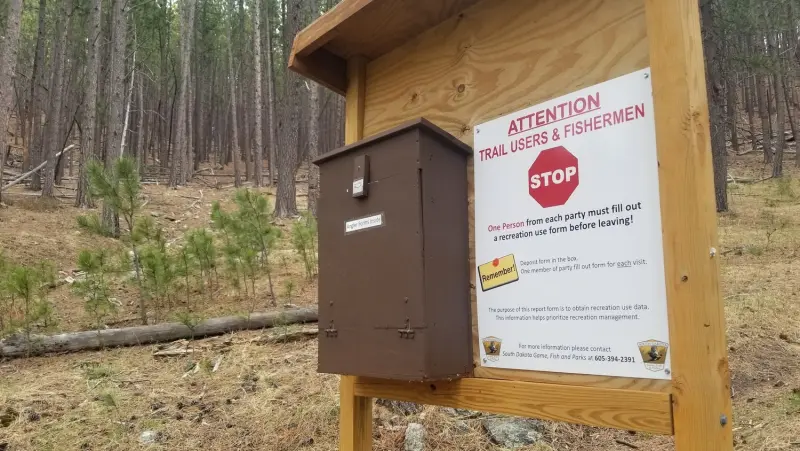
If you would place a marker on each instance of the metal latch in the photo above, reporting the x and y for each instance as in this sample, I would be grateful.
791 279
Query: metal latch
408 332
331 331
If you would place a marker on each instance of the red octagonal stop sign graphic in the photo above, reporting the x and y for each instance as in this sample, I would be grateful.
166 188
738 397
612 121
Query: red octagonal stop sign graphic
553 177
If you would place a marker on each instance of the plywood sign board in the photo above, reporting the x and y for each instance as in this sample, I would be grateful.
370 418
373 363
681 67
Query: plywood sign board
594 281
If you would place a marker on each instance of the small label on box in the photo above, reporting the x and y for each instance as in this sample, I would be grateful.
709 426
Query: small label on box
367 222
358 187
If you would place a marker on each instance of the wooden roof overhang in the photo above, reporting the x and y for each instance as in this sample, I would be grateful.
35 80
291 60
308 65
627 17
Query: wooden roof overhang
366 28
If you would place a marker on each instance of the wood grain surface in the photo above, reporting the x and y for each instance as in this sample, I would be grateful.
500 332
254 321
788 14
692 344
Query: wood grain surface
624 383
355 414
700 376
621 409
501 56
369 28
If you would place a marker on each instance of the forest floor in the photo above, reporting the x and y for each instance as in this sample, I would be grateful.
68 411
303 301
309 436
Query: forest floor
270 397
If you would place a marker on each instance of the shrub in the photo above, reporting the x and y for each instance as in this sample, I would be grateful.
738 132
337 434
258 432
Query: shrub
25 306
304 241
94 289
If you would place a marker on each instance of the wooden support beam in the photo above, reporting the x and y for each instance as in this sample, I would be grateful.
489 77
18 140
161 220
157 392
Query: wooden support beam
355 416
700 376
621 409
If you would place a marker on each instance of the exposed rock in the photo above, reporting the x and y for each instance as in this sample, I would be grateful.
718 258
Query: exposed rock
415 437
512 432
400 407
150 437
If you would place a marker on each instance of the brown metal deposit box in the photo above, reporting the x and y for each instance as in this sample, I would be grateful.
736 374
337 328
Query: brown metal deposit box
394 299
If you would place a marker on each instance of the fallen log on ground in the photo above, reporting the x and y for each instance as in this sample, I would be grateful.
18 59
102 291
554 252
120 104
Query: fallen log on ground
18 346
28 174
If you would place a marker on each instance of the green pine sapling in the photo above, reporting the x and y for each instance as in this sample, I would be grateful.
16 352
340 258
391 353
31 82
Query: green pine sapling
256 229
200 247
304 240
7 301
158 272
119 188
28 286
94 288
228 226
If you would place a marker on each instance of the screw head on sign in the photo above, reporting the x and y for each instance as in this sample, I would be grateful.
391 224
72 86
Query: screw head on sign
495 262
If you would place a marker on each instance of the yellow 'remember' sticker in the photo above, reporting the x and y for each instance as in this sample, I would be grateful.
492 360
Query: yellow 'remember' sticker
498 272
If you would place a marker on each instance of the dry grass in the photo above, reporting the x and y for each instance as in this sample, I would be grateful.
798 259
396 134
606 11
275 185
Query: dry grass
269 397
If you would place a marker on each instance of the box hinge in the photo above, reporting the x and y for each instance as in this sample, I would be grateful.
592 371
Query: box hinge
407 332
331 331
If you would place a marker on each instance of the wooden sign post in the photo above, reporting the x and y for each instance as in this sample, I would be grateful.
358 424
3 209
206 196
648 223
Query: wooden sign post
462 63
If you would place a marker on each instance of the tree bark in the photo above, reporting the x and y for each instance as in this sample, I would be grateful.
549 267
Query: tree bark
180 154
763 111
128 103
714 64
232 85
750 106
732 110
313 149
8 64
787 97
259 159
18 346
273 140
114 119
140 126
777 84
286 203
83 199
53 136
33 114
780 139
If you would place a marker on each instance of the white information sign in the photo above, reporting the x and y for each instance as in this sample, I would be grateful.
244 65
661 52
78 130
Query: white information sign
568 235
369 222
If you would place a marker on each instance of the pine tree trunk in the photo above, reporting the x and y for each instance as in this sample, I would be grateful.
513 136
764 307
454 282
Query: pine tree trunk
780 139
83 199
714 63
273 140
181 151
787 97
114 119
750 106
313 149
245 139
8 64
777 85
188 156
732 111
234 141
53 137
32 114
259 159
770 99
286 202
763 111
141 136
128 103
